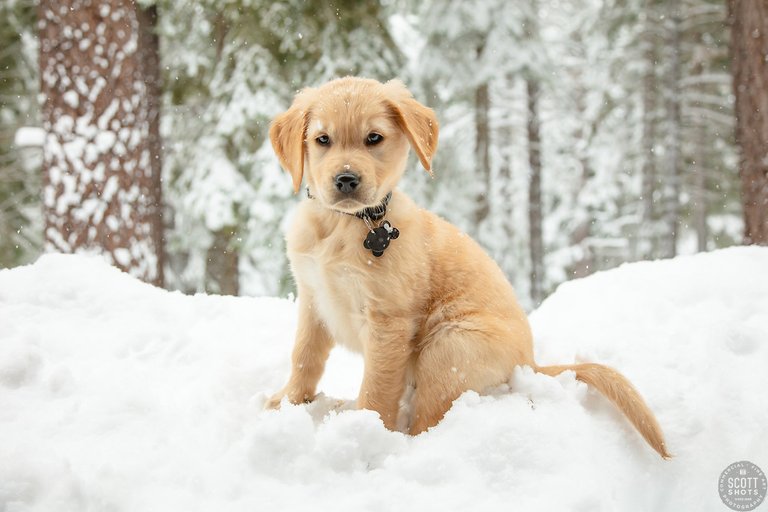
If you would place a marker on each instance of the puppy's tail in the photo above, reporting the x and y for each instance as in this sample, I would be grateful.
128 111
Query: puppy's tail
620 391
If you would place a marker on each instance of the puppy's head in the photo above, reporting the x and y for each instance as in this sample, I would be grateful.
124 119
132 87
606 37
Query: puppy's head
351 136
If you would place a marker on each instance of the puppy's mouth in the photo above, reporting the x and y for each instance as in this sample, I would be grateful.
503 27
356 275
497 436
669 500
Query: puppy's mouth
352 205
348 205
351 202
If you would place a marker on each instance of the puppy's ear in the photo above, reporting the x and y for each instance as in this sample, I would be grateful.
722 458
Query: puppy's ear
287 134
418 122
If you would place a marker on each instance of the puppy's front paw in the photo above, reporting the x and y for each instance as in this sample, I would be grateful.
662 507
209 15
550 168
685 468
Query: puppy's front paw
274 401
295 397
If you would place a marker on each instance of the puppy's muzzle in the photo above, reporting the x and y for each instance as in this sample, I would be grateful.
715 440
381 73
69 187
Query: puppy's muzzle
346 182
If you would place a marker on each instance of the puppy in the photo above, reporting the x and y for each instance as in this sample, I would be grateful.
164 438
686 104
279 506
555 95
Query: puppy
419 299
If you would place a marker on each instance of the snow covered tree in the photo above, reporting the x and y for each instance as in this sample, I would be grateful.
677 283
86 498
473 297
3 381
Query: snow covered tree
749 40
472 65
457 32
656 112
20 218
100 193
230 68
709 179
636 154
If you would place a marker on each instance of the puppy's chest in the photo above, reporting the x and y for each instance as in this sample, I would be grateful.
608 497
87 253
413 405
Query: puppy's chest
343 282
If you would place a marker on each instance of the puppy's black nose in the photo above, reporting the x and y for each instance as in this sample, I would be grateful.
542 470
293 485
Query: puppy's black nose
346 182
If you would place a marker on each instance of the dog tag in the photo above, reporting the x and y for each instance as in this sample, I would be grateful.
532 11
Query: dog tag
378 238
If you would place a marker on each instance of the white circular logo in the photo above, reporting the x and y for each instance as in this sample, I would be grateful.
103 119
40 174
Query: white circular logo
742 486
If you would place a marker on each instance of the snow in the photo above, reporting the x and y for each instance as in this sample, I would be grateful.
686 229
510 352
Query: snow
106 139
29 136
115 395
71 98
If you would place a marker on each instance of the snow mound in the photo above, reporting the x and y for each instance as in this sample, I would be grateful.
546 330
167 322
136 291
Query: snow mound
118 396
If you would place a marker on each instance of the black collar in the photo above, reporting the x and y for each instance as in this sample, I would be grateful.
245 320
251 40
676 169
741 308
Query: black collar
374 213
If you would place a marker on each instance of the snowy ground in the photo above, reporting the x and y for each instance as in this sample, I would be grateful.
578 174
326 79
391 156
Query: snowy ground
117 396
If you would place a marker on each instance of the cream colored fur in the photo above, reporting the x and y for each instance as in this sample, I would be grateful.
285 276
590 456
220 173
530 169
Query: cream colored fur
434 311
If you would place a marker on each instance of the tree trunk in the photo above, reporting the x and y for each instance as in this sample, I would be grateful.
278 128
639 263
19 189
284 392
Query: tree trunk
505 186
221 268
535 214
149 44
648 223
749 46
222 271
482 154
672 185
700 189
100 191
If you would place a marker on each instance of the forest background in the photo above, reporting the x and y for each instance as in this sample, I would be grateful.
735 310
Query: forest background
575 134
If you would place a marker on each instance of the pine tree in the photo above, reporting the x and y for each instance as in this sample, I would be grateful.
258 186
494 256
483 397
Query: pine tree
672 132
708 122
474 63
229 74
20 217
633 147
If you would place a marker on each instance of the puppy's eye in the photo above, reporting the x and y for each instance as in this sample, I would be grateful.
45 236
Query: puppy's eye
373 139
323 140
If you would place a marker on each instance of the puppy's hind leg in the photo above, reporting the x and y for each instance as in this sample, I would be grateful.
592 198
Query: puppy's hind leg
457 359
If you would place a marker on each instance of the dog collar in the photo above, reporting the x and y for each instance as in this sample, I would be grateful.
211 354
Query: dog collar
379 236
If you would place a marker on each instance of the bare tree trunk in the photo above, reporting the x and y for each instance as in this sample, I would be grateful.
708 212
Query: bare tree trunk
581 232
647 232
222 272
221 268
749 47
100 193
672 184
535 214
506 209
149 44
482 154
700 190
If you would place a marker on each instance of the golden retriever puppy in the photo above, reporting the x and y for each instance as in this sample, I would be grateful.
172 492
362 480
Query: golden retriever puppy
419 299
